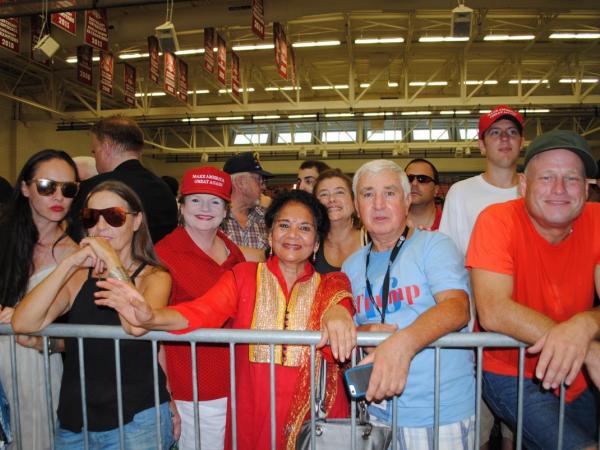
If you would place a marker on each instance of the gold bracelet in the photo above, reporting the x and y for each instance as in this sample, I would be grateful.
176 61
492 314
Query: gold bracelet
118 273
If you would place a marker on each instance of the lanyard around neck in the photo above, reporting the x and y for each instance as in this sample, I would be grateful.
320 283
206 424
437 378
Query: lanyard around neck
386 280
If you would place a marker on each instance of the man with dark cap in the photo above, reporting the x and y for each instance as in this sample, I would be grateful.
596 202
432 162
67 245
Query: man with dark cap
245 222
534 263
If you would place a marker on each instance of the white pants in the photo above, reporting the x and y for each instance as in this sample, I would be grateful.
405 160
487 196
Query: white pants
212 418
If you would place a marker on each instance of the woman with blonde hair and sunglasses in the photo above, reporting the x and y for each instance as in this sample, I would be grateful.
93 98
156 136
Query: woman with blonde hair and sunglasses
117 245
32 242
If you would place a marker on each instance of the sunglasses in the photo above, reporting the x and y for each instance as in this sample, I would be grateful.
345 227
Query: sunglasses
422 179
114 216
47 187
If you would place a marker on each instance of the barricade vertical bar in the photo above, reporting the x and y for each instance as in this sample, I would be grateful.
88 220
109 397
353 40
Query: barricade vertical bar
48 391
195 397
353 411
394 422
156 396
478 398
15 390
86 438
561 417
119 393
313 427
436 397
519 441
233 400
272 387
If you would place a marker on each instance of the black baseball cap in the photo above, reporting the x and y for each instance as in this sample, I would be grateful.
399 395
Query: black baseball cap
245 162
567 140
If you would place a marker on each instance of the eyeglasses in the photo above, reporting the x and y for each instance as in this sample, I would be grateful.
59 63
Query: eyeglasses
114 216
47 187
422 179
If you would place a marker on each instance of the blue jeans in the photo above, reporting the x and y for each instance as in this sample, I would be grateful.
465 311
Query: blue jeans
540 413
140 434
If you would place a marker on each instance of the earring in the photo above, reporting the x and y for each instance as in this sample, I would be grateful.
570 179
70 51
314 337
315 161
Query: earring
270 251
314 258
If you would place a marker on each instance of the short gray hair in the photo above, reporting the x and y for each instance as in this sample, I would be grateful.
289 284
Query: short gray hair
379 165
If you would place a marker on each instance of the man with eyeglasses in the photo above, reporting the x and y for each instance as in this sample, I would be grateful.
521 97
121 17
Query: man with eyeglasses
424 187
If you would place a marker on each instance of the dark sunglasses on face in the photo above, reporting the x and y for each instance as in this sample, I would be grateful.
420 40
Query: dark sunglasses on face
422 179
114 216
47 187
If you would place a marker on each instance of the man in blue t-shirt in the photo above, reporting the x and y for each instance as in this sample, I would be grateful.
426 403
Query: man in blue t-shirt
427 297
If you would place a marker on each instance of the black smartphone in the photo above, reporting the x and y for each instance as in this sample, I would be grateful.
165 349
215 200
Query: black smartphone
357 381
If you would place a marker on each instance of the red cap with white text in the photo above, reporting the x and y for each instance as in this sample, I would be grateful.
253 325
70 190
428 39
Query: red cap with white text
499 113
207 180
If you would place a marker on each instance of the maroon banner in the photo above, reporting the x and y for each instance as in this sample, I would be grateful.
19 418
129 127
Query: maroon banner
221 60
129 81
235 74
182 81
10 34
107 73
96 29
66 21
280 43
154 64
84 64
170 74
258 18
209 45
36 31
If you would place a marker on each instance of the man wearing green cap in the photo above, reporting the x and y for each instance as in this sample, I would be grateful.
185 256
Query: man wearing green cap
534 264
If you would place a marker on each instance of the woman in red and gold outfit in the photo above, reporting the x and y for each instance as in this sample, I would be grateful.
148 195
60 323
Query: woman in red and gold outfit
285 293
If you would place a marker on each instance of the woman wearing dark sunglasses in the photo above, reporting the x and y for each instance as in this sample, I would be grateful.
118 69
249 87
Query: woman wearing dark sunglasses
32 242
117 245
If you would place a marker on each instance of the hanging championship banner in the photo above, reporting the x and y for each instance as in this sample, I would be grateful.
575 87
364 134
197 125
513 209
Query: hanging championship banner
293 74
66 21
221 60
84 64
280 43
107 66
129 82
36 31
209 45
170 74
10 34
235 74
258 18
154 64
182 81
96 28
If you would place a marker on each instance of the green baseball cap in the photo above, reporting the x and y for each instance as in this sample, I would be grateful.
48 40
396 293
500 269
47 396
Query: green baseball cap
567 140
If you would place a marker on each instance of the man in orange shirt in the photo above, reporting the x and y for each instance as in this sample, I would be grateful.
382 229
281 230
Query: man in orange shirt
534 263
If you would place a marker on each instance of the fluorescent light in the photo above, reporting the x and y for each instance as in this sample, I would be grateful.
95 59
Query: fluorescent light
150 94
442 39
478 82
339 115
534 110
301 116
272 116
485 111
388 40
365 85
416 113
245 48
315 44
196 119
377 114
282 88
392 84
575 36
428 83
580 80
73 59
508 37
449 113
221 119
530 81
133 55
199 91
329 88
190 51
229 91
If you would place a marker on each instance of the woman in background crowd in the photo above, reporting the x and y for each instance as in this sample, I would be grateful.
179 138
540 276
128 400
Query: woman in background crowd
32 242
197 253
334 190
117 245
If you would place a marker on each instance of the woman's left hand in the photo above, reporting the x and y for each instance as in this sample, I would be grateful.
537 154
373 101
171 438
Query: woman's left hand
339 329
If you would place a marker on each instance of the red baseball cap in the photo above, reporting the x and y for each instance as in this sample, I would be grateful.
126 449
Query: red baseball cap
206 180
499 113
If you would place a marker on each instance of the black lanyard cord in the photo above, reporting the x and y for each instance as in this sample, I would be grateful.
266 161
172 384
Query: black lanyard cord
386 280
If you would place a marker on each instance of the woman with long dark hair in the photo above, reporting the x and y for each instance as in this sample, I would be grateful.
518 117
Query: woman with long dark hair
32 242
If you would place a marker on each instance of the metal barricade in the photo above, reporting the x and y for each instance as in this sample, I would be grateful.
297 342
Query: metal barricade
475 341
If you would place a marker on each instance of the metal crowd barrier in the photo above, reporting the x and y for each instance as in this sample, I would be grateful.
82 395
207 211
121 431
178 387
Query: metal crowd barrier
476 341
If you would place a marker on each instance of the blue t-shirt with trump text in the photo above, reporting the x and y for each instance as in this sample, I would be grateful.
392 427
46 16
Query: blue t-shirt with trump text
427 264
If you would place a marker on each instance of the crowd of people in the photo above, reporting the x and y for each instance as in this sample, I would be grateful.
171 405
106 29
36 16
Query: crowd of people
514 253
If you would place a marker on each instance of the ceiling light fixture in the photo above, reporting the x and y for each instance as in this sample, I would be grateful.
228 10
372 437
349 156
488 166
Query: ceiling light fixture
199 91
150 94
73 59
580 80
449 113
528 81
428 83
339 115
416 113
282 88
196 119
329 88
222 119
301 116
229 91
508 37
246 48
478 82
315 44
272 116
574 36
388 40
430 39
